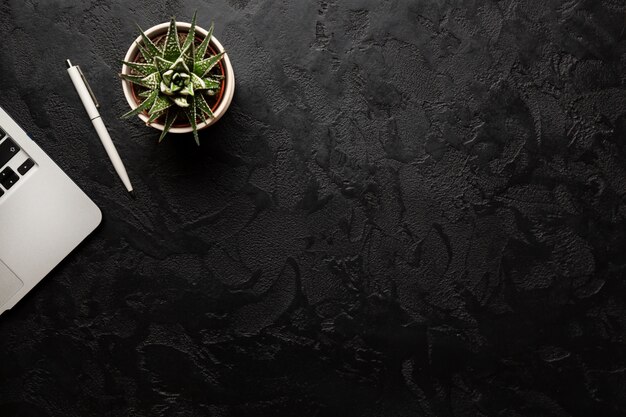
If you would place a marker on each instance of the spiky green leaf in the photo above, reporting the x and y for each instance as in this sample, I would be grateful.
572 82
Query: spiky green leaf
143 106
211 83
167 76
147 56
187 55
136 79
202 68
162 65
192 33
152 81
190 112
185 51
198 83
202 105
201 51
150 48
141 68
171 50
161 103
155 116
170 118
180 66
188 90
181 101
192 55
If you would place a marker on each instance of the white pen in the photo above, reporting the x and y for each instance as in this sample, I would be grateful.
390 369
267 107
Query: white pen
91 105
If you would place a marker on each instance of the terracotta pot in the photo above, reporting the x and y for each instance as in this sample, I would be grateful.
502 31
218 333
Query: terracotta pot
225 95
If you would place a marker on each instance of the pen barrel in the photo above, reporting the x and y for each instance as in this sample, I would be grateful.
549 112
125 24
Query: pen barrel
83 92
105 138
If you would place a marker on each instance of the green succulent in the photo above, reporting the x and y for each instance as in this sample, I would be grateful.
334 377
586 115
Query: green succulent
176 80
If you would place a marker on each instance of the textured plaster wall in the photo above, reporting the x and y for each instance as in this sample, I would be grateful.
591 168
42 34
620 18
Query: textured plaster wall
412 208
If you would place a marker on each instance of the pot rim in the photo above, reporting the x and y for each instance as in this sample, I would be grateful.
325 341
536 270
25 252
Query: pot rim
229 77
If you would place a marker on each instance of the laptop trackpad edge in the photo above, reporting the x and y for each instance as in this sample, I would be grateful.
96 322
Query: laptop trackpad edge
10 284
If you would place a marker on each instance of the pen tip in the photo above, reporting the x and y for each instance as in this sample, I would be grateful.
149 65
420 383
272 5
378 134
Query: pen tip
132 194
68 63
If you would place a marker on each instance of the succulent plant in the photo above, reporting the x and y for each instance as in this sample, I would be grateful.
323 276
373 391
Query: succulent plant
176 78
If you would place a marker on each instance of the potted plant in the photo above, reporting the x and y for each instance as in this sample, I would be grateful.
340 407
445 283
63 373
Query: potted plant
177 78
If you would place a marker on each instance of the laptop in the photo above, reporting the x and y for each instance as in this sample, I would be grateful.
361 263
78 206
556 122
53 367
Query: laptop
43 213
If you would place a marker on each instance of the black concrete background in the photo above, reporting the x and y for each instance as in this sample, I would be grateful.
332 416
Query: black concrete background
412 208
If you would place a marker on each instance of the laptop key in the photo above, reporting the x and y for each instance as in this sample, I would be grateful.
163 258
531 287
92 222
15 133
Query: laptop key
8 149
1 192
26 166
2 133
8 178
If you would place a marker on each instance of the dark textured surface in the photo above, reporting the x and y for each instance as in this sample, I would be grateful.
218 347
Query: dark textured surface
413 208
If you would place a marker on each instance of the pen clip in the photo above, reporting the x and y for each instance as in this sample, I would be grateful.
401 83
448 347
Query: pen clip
93 96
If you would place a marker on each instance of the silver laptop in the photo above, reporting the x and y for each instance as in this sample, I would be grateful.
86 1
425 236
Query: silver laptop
43 214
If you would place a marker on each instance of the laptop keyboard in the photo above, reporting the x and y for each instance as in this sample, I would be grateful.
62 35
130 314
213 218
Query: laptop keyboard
8 150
